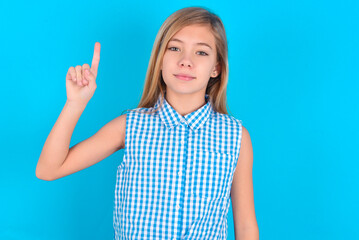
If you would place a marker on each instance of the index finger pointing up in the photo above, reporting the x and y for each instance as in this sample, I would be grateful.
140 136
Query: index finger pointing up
96 58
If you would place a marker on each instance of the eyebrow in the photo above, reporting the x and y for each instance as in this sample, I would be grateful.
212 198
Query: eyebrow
199 43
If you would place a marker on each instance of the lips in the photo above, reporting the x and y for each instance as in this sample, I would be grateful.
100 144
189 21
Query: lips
184 77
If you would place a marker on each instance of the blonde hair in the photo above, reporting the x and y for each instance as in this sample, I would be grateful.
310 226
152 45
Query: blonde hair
217 87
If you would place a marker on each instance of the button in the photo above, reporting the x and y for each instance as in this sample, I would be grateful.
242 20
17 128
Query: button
182 142
177 207
179 173
183 120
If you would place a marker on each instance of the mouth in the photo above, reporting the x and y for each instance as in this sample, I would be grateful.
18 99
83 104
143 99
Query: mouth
184 77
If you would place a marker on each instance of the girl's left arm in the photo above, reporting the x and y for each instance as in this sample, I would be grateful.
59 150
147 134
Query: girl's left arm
244 218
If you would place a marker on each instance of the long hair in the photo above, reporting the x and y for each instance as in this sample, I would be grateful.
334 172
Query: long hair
216 87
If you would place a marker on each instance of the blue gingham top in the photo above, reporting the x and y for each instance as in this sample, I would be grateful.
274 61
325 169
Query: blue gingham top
175 178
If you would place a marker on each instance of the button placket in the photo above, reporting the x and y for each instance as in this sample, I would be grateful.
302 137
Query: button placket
183 153
184 123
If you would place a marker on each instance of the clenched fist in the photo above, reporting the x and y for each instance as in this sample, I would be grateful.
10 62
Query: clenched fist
81 80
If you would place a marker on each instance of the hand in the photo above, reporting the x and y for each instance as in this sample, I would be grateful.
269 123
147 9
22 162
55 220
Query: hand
81 81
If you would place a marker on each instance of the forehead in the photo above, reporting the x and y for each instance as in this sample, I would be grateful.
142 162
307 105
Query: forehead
195 33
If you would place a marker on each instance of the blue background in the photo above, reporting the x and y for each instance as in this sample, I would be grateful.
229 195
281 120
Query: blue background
293 82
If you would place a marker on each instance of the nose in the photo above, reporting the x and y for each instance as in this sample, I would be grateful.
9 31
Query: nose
185 62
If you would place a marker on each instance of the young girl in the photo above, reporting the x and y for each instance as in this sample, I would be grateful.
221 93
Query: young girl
185 157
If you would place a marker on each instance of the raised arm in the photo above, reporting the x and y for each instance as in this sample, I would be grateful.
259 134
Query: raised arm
56 159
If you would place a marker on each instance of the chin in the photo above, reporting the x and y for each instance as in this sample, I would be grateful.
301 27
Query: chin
182 90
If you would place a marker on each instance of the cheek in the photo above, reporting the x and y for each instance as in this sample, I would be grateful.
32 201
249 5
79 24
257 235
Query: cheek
164 60
167 64
205 69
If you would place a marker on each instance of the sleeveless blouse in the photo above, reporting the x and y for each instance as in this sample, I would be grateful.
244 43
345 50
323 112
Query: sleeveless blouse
175 178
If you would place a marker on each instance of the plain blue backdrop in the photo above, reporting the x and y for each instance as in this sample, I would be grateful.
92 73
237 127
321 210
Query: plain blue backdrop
293 81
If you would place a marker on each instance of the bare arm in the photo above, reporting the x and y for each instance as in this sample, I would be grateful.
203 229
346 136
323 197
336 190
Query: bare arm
57 144
244 219
109 139
57 160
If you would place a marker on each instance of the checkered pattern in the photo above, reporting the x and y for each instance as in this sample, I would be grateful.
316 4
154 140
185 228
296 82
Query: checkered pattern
175 178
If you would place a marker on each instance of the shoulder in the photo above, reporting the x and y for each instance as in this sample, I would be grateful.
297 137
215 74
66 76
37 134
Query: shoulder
142 111
119 125
236 125
246 150
228 120
245 136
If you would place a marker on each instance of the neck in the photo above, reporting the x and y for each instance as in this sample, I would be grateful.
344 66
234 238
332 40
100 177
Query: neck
185 103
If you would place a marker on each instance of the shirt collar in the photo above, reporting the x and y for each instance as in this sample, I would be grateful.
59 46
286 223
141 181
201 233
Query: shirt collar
170 117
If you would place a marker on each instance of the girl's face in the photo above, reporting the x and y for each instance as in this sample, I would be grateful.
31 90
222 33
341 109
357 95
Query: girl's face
190 60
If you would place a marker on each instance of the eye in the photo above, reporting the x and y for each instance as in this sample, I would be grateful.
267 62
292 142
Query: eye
203 53
171 48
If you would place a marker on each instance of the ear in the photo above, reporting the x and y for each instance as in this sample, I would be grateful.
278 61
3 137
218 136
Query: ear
216 70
